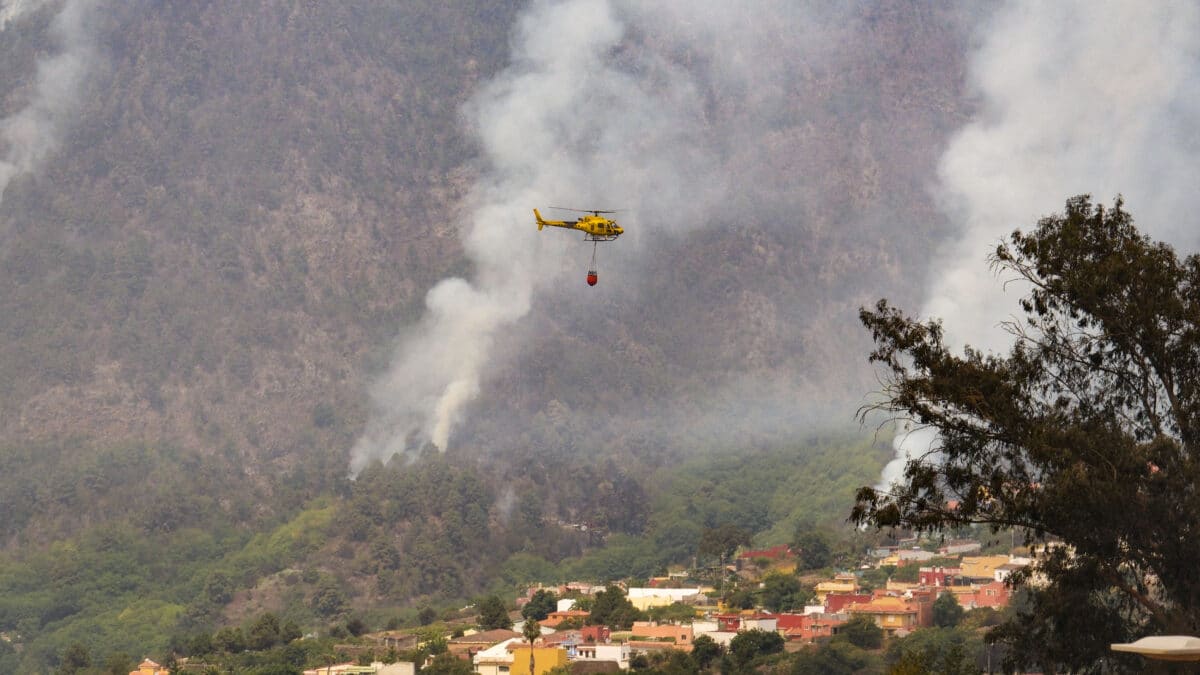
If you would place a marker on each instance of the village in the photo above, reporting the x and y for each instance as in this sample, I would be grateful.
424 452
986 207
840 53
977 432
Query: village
569 639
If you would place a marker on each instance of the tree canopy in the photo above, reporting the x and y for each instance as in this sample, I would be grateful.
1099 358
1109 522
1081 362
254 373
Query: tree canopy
946 611
540 605
1084 434
611 608
493 614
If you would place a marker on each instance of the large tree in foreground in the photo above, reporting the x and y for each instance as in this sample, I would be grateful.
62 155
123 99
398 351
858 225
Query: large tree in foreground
1086 433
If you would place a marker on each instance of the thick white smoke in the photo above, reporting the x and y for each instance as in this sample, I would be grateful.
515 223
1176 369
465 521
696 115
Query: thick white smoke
27 136
569 123
1076 97
15 9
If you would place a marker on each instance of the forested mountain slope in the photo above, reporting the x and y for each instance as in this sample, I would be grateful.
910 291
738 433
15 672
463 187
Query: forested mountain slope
247 204
218 226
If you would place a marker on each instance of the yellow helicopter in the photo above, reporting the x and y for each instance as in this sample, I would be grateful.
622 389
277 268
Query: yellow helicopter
595 227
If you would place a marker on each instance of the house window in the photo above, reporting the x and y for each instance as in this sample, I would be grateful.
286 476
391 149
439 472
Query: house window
504 669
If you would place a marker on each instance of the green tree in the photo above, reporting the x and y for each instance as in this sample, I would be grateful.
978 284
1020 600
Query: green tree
229 640
540 605
1086 433
611 608
74 659
426 616
328 600
437 644
721 541
946 611
835 658
812 547
264 633
119 663
199 644
218 588
748 645
862 632
739 598
909 573
705 651
675 662
290 632
940 651
783 593
356 626
493 614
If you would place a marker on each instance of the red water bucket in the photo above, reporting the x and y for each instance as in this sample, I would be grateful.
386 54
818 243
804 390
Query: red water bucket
592 278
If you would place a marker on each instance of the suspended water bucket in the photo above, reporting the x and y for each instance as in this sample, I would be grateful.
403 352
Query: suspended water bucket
592 277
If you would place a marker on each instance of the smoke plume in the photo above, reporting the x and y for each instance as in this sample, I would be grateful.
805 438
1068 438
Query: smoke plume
1097 98
557 127
746 143
30 134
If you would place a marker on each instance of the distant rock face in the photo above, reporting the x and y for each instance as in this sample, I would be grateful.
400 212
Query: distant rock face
251 202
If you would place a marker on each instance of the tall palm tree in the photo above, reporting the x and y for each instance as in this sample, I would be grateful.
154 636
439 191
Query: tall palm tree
532 631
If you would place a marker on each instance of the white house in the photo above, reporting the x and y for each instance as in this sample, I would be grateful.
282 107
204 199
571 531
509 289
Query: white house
767 623
618 653
495 660
675 594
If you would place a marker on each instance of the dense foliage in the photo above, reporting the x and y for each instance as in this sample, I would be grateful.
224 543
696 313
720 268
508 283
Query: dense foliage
1085 434
195 550
540 605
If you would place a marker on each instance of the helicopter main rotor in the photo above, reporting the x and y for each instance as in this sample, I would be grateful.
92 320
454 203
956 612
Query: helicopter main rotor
595 211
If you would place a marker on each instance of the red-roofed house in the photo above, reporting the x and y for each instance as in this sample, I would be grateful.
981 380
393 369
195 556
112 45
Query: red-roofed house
812 626
836 602
595 633
728 623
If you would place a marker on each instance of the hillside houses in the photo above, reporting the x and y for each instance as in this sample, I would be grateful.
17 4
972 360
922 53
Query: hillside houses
898 603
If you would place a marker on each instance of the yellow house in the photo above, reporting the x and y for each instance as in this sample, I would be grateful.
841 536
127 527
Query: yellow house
148 667
982 566
889 613
842 583
545 659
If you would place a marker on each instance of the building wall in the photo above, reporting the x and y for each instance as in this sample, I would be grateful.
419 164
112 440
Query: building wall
682 635
399 668
545 659
619 653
